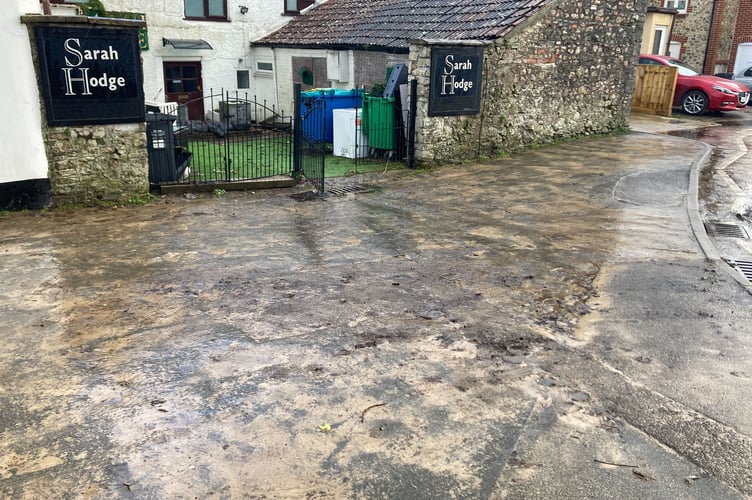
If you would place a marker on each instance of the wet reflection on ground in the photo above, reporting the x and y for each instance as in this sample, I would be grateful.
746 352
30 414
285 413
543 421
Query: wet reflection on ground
221 346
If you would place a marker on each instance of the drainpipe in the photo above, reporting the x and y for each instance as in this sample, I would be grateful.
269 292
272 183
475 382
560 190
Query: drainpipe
483 103
46 9
274 77
710 35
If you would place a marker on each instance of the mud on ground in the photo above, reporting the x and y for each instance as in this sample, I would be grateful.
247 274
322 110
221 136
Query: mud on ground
379 344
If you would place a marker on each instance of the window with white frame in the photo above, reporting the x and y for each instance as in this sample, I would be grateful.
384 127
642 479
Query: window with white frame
679 5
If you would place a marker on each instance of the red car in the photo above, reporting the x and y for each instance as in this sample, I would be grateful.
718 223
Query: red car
697 93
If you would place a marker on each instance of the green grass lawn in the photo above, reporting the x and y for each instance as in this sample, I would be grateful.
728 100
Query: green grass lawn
337 166
248 159
265 157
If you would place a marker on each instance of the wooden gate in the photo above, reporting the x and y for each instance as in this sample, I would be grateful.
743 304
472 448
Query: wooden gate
654 89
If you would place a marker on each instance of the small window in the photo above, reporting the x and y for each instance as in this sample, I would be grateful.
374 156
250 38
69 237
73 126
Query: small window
293 7
679 5
264 66
244 79
211 10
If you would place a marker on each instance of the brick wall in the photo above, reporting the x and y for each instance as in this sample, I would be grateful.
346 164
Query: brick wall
742 31
683 41
721 33
568 71
316 65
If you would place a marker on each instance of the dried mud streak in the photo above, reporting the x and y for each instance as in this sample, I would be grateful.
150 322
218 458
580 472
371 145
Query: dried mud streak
717 448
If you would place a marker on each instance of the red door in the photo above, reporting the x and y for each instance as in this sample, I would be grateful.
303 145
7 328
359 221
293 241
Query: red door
183 85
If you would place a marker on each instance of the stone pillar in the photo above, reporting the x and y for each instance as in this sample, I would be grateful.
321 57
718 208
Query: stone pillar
91 162
440 139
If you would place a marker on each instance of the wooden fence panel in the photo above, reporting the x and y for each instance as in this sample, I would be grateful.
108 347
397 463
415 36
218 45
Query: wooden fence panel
654 89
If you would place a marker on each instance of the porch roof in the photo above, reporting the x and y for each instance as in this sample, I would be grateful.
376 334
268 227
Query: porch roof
388 24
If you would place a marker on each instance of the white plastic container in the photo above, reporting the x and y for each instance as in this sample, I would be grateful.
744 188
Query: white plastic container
349 140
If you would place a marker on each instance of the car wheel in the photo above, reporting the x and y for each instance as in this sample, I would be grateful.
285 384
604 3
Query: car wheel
694 102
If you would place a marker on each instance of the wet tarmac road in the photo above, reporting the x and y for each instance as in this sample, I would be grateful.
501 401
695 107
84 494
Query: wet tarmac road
413 341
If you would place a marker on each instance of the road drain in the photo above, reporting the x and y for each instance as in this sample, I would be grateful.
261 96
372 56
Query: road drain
343 190
725 230
744 267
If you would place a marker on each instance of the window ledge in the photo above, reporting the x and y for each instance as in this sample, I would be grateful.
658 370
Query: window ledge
210 19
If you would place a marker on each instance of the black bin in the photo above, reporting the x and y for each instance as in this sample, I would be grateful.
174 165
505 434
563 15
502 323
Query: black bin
160 143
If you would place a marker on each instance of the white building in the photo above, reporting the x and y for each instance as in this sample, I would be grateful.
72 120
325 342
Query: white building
189 47
197 46
23 163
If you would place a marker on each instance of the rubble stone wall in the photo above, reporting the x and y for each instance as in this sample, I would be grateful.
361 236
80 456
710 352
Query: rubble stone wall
725 35
692 31
97 163
701 48
567 72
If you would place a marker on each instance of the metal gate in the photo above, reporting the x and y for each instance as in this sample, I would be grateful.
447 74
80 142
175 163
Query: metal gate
310 145
238 139
242 139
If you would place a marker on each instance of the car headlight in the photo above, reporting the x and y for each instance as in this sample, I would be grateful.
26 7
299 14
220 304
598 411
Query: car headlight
723 90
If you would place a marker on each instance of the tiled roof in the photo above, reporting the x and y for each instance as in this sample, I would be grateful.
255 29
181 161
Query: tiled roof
389 24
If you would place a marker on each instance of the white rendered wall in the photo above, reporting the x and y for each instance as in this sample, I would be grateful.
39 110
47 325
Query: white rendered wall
22 155
230 40
284 77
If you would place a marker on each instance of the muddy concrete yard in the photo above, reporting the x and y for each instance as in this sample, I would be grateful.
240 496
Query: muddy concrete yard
382 344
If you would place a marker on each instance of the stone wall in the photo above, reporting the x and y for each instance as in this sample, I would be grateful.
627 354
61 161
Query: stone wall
97 163
91 164
566 72
691 30
706 33
723 32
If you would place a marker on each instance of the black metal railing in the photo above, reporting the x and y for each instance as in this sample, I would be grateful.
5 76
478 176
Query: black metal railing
236 138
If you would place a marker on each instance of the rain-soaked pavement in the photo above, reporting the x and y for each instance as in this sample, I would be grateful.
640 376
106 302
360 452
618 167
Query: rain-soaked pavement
542 326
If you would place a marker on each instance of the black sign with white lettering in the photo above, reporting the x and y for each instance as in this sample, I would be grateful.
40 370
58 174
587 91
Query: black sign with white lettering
90 75
456 74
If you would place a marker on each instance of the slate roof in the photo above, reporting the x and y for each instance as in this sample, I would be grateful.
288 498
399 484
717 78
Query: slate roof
389 24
